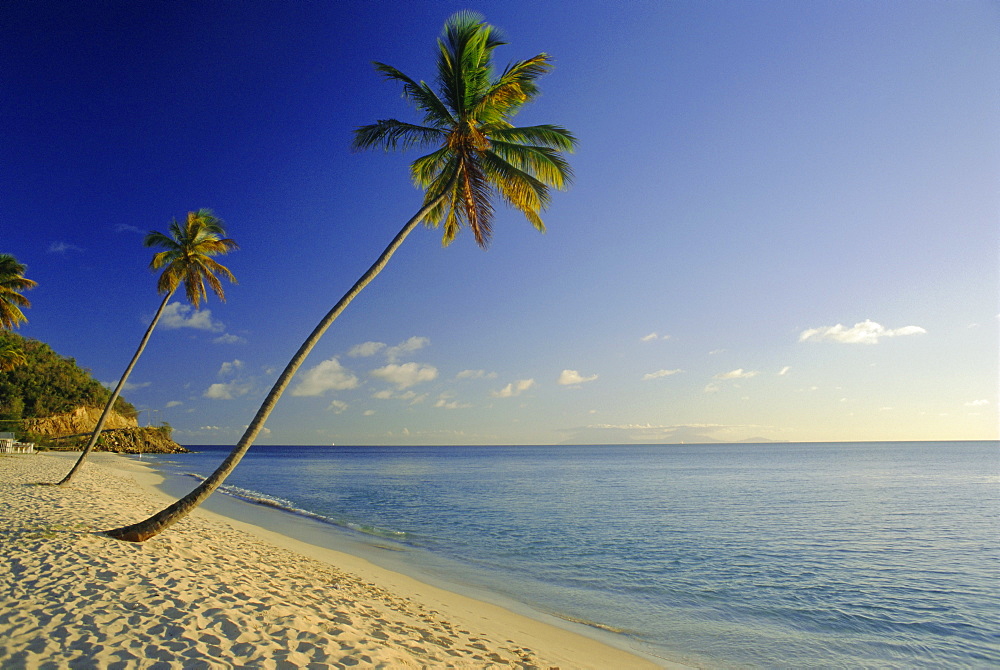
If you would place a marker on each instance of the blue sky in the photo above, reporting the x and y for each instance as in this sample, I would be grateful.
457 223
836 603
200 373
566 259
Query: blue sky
784 223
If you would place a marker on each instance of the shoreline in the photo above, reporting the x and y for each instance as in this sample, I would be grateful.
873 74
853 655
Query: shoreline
227 593
386 554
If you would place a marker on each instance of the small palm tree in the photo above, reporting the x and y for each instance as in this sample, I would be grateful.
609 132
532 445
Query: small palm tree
186 259
11 356
12 283
478 155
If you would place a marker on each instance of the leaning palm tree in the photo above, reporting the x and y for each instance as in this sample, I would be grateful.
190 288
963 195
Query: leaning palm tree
478 156
187 259
12 283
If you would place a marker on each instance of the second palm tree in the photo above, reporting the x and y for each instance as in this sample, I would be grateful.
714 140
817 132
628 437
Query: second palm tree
186 259
478 156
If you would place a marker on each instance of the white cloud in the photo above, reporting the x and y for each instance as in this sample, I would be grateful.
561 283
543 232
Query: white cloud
445 401
126 228
407 374
712 388
174 403
567 377
476 374
227 391
514 388
784 371
652 337
179 315
128 386
866 332
329 375
412 396
409 346
229 339
739 373
454 404
366 349
337 406
228 368
134 386
978 403
63 248
369 412
659 373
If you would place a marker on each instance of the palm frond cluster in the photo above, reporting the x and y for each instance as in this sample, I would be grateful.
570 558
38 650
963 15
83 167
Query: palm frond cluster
479 154
187 257
12 283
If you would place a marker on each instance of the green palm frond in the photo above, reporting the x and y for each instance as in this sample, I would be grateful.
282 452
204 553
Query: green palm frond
12 356
514 88
392 134
442 185
186 258
546 164
464 62
421 95
14 297
157 239
480 157
521 190
411 89
554 137
210 268
426 168
12 284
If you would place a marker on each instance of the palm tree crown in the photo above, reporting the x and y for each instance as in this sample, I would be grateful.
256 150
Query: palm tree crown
12 282
187 256
479 154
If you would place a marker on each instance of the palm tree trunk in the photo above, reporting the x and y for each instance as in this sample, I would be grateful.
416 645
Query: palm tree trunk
142 531
114 396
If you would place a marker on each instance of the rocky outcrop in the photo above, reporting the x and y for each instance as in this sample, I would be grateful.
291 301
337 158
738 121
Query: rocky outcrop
138 441
79 420
121 434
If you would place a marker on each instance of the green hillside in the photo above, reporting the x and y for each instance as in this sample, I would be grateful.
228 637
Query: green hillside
47 384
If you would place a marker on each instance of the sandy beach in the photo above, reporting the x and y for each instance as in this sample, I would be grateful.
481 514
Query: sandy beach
212 592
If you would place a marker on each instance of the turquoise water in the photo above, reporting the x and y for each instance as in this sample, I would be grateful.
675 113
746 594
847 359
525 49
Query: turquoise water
790 555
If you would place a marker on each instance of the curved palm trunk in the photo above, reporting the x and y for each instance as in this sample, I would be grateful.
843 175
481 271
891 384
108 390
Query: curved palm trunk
142 531
114 396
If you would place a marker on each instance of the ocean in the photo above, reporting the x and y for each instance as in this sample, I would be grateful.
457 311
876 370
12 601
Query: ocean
798 555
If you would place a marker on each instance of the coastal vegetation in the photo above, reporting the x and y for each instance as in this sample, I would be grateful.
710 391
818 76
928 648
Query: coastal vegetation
44 384
478 157
186 259
11 356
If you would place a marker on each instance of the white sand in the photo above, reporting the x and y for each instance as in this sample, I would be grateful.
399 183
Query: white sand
211 592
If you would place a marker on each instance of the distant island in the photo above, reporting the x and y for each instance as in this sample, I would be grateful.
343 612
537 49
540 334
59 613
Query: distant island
48 399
